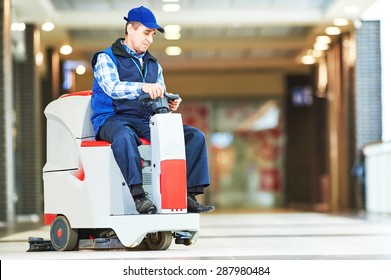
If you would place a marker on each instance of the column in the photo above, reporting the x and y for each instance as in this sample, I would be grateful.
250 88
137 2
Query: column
7 211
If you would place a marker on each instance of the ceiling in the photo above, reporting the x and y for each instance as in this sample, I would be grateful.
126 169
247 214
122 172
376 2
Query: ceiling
218 34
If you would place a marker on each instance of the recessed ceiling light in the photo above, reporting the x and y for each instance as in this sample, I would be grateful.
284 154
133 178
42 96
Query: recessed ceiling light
332 30
173 51
172 36
172 32
171 7
47 26
18 26
80 69
323 39
340 21
320 46
172 28
317 53
66 49
308 59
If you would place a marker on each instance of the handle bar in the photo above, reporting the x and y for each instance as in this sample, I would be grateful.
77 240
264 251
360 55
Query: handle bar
158 105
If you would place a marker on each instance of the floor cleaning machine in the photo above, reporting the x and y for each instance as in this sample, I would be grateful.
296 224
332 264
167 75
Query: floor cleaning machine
86 200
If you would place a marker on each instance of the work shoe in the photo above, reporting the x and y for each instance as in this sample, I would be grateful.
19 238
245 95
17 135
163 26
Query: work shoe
193 206
144 205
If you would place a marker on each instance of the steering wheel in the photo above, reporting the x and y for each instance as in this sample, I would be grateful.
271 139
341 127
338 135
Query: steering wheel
158 105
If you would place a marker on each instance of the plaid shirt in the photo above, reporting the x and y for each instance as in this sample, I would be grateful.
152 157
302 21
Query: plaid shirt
106 73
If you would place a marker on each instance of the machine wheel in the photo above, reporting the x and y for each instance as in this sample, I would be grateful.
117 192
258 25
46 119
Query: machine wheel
62 236
159 240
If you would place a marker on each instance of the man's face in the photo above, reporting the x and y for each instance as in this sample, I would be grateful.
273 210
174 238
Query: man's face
140 38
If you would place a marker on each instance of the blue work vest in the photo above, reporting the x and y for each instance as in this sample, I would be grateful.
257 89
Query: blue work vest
129 70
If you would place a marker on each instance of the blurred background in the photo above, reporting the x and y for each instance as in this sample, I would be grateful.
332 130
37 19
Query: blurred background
290 94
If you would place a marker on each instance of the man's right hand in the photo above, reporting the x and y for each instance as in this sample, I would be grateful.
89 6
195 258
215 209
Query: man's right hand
154 90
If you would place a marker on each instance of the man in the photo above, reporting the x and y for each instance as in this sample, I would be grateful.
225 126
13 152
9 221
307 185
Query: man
121 73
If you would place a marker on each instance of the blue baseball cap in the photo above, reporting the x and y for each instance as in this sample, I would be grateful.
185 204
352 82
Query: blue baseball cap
145 16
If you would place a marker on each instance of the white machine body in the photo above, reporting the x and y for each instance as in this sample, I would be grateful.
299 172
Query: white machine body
169 163
83 182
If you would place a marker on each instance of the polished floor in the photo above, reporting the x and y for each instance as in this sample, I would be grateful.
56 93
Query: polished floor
243 236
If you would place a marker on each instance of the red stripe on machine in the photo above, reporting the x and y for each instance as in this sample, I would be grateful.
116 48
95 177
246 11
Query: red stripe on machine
173 184
101 143
93 143
49 218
